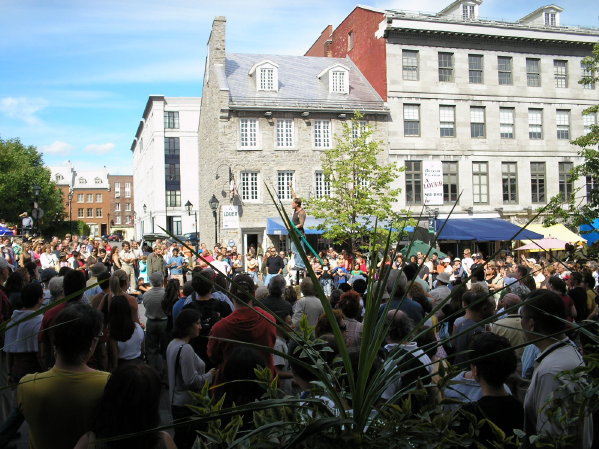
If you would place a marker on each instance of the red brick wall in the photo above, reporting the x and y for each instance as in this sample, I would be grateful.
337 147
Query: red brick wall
320 47
368 52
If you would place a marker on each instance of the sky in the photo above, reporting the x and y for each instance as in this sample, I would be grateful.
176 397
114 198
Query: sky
75 75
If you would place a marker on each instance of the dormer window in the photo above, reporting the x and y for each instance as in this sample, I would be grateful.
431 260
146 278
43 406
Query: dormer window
267 76
338 79
59 177
550 19
82 181
468 12
98 181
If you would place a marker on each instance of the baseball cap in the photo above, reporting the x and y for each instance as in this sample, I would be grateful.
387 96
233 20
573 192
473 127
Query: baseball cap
47 274
447 260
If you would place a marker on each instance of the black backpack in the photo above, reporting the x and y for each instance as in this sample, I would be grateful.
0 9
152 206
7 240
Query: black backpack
209 315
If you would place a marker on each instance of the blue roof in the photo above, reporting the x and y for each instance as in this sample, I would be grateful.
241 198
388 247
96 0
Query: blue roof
482 230
591 237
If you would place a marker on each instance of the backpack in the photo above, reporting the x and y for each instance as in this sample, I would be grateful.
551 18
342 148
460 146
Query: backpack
209 316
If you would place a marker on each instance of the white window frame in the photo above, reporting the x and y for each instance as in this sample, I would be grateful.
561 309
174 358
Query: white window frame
128 207
588 120
480 182
266 75
535 123
410 65
550 19
562 124
80 198
476 69
99 198
468 11
117 207
411 117
117 189
446 69
118 220
248 133
90 198
322 186
505 69
587 72
90 212
284 177
80 212
339 81
99 209
560 73
250 186
128 219
82 180
285 133
356 131
533 74
476 113
322 130
127 190
506 123
447 120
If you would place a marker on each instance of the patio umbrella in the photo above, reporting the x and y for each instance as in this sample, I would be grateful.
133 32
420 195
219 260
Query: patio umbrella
420 246
543 245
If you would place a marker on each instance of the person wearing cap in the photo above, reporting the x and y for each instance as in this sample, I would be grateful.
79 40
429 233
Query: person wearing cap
95 270
46 275
441 292
479 261
156 322
444 266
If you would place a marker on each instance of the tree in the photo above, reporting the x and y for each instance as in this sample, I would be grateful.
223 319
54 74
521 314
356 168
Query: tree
21 167
360 185
582 206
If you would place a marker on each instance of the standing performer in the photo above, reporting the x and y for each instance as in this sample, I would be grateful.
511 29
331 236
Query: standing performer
298 219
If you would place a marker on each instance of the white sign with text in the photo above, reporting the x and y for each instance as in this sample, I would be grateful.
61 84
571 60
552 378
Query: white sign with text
432 186
230 217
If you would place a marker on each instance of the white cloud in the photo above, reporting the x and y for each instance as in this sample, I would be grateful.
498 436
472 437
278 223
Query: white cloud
23 108
56 147
99 148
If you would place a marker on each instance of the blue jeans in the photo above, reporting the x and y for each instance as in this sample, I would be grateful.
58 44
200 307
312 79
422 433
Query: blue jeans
299 263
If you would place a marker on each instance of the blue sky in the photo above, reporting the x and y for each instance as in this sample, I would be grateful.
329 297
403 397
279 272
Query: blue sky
75 74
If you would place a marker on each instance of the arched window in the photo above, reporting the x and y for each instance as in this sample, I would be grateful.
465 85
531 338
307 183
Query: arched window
59 177
82 181
98 181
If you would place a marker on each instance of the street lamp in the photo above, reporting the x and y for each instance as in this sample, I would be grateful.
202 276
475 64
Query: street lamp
189 208
213 202
36 191
37 212
70 196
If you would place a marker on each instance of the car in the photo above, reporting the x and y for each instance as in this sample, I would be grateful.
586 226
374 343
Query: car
150 239
193 237
114 238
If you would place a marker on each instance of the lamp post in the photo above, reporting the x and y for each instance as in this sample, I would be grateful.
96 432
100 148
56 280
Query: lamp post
213 202
70 211
37 212
189 208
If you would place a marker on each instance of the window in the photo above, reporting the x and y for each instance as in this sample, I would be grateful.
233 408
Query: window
117 207
267 78
445 66
588 73
322 186
339 81
171 119
411 120
409 59
592 188
450 182
249 185
477 121
589 120
509 182
284 178
413 182
128 207
566 186
128 219
358 129
350 40
535 124
468 12
98 212
447 121
80 212
117 189
284 133
562 120
504 68
172 172
80 198
475 69
173 198
98 197
550 19
58 177
560 72
480 182
322 133
90 197
533 72
171 146
98 181
506 123
90 212
127 190
118 220
248 132
82 181
537 182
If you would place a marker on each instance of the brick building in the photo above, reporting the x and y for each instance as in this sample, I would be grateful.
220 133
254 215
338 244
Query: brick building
121 205
92 197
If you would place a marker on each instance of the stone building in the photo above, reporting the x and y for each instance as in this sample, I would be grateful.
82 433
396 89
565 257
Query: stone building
165 163
493 103
265 120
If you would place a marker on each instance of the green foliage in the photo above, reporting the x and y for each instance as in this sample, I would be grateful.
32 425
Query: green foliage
360 184
578 209
61 228
21 168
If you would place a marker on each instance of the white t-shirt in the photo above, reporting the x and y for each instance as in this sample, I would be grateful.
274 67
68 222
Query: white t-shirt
131 349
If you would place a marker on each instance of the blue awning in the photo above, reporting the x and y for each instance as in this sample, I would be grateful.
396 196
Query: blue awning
591 237
482 230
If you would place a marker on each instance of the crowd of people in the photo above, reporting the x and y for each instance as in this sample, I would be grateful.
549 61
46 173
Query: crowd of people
90 367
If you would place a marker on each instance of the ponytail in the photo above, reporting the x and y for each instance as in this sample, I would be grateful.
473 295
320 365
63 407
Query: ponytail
118 282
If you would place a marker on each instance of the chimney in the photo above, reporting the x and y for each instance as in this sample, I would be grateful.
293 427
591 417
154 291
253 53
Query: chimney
216 42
